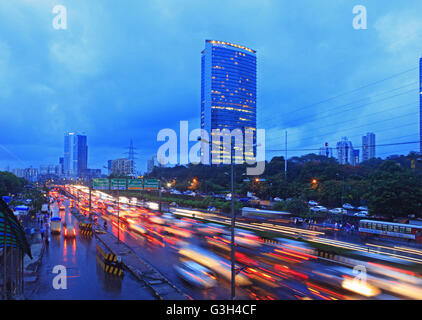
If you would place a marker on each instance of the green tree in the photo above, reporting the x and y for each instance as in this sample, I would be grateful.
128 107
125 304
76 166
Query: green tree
9 183
394 191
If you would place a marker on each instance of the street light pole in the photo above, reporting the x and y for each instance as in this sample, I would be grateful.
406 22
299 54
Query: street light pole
118 217
159 187
233 222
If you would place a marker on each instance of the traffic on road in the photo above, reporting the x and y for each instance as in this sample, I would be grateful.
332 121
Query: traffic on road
273 260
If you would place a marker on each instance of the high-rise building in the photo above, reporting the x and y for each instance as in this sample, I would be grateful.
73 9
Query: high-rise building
345 152
368 146
61 165
31 174
356 156
150 164
228 90
20 173
68 164
81 154
326 151
75 159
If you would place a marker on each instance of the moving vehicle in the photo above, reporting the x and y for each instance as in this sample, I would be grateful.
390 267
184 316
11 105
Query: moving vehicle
44 208
196 274
263 214
312 203
368 228
56 223
69 231
136 227
220 266
363 208
298 220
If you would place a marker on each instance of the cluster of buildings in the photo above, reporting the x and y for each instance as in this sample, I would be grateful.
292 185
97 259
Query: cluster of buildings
73 164
347 154
228 101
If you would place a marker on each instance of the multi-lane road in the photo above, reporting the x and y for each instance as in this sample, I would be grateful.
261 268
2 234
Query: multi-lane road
286 269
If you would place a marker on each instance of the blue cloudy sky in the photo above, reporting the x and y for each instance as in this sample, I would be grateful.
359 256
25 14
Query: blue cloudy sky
127 69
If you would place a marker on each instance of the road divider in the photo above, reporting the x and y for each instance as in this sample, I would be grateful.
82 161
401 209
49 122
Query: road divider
85 229
109 262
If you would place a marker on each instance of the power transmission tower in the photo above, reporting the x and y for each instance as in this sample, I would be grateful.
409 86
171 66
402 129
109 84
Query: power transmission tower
131 156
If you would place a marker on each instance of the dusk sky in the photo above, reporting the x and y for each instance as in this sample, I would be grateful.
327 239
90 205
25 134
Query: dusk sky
127 69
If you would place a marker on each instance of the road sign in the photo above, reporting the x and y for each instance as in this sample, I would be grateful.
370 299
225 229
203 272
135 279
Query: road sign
135 184
100 184
118 184
151 184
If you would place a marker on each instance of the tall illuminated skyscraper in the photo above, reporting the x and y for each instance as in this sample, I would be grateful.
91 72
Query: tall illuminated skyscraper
75 160
228 89
368 146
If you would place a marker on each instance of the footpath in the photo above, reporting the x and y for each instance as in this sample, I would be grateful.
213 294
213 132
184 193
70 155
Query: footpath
36 241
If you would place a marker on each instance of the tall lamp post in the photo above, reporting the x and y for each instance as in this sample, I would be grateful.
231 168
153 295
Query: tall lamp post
233 222
233 219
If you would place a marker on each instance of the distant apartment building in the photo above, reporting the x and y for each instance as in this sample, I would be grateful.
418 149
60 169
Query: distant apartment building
228 92
30 174
18 172
368 146
121 167
150 164
49 169
326 151
75 159
89 174
153 162
356 157
61 166
345 154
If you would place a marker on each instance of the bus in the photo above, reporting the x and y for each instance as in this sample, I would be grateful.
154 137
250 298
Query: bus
368 228
56 223
44 208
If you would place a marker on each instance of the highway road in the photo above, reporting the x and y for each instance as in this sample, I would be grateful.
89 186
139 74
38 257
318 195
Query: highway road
286 270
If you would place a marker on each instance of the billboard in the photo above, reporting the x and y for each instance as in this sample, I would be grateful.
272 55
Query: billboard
151 184
135 184
100 184
118 184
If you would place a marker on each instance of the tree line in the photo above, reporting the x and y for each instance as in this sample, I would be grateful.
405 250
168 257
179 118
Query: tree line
390 188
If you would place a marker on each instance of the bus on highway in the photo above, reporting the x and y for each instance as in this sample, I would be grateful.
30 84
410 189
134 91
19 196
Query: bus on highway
368 228
56 223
